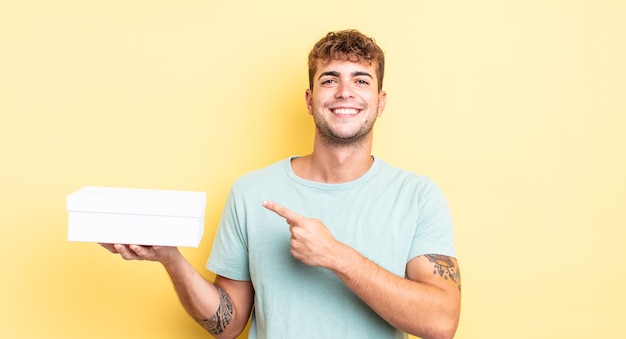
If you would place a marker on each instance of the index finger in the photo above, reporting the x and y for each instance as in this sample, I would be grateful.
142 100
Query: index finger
281 210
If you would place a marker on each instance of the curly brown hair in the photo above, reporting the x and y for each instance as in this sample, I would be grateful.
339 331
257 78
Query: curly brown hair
349 45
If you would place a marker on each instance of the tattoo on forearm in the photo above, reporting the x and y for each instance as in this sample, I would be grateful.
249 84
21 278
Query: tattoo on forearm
224 315
445 268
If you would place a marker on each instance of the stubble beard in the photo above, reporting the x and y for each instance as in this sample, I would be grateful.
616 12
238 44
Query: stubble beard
333 138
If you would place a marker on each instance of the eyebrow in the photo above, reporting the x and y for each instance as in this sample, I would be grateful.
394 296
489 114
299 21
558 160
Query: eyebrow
336 74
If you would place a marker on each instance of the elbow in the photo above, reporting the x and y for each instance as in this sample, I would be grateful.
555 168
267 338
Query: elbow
227 335
229 332
442 328
446 332
223 328
445 324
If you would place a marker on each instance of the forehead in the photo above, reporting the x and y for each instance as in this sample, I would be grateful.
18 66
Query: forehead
345 67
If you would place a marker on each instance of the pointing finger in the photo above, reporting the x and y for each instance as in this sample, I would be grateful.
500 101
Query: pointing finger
281 210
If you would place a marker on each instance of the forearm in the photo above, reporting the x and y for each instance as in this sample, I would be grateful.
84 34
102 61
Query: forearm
423 304
206 303
209 304
417 308
198 296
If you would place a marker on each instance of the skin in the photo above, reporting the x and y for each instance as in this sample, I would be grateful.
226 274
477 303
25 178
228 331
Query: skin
201 299
427 302
344 103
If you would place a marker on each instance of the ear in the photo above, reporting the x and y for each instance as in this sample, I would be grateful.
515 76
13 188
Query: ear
382 101
309 99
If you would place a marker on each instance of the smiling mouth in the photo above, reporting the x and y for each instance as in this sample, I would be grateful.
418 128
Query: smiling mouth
345 111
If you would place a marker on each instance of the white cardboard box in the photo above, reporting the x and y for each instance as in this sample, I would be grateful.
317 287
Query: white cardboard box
136 216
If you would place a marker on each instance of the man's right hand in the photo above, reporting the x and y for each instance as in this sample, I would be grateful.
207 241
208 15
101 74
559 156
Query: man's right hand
201 299
163 254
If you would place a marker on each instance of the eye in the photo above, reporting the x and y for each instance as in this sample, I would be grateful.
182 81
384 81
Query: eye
328 82
362 82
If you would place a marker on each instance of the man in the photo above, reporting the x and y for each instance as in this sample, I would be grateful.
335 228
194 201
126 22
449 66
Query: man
334 244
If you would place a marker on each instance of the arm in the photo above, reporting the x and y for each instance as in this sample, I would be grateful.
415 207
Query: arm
222 308
426 303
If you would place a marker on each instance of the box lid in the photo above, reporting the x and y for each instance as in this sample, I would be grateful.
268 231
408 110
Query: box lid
137 201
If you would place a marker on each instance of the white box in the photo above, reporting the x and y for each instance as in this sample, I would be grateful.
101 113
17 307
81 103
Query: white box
136 216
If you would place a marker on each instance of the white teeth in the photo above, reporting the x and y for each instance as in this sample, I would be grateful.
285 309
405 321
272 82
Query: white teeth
345 111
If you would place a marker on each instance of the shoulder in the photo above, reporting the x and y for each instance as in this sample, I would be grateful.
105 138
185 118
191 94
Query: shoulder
263 172
261 176
418 182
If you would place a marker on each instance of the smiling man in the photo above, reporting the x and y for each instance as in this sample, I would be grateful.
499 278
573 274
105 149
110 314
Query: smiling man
345 101
333 244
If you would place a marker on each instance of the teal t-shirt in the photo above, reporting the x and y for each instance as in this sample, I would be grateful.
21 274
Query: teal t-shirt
389 215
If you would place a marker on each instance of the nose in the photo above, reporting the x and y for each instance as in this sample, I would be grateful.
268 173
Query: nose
344 90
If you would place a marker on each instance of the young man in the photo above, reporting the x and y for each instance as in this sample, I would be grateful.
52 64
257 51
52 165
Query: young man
334 244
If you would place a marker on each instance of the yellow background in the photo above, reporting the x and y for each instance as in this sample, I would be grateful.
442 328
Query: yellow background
516 108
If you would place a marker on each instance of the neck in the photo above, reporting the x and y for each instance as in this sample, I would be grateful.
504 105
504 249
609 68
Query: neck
335 164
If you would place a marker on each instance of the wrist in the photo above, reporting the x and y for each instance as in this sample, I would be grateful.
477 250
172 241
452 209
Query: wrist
342 258
171 259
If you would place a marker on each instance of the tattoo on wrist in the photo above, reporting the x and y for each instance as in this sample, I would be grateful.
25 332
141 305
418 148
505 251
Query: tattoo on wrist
445 268
222 317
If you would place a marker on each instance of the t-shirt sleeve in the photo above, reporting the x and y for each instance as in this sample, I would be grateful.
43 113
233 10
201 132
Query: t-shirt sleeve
434 232
229 255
